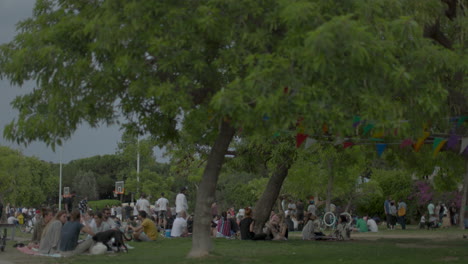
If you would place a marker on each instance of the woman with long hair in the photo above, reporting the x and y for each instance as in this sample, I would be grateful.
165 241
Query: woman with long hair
50 238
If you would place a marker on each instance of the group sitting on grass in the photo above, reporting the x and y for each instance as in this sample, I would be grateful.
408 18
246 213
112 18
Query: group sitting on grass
59 234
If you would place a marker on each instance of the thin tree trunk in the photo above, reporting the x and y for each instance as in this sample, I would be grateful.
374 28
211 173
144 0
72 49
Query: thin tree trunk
330 185
464 198
268 199
201 241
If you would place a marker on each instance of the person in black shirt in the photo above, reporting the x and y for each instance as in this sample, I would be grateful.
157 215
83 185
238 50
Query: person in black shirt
246 225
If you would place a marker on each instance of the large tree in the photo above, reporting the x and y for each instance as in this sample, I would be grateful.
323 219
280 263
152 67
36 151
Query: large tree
208 68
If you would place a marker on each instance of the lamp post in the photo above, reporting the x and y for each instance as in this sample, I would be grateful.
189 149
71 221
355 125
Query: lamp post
60 184
138 164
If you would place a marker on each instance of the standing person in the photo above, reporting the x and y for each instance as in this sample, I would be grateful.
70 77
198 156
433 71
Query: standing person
143 204
128 212
300 212
162 204
181 201
70 234
312 208
83 205
402 214
1 211
118 212
146 231
393 214
431 209
453 214
387 211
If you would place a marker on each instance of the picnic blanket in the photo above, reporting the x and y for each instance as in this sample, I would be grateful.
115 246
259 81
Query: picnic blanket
29 251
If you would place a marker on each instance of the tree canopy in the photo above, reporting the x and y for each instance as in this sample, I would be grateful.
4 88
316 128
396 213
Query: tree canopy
207 68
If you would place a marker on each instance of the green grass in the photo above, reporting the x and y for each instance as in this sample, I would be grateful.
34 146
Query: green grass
360 250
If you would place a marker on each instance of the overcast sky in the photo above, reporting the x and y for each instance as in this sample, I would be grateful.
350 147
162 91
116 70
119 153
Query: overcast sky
86 142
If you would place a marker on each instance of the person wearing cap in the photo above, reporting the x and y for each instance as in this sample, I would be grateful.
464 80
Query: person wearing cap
181 201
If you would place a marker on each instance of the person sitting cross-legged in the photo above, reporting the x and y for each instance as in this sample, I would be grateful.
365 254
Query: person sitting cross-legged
146 231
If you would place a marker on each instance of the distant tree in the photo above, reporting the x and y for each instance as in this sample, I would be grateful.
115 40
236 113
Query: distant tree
85 185
25 181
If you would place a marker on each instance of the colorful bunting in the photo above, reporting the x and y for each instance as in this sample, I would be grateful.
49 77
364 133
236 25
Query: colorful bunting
453 141
461 119
309 142
378 134
438 144
420 142
300 139
380 148
406 142
348 144
368 128
464 144
325 128
338 141
356 121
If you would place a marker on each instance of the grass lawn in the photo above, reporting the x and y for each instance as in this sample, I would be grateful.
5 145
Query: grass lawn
387 246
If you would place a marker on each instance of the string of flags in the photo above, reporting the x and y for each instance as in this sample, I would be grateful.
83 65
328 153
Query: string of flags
438 143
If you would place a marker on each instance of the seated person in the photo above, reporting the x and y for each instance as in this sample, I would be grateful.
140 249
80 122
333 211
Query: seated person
146 231
179 227
51 235
361 225
39 226
69 245
107 217
224 226
247 225
343 229
372 225
276 229
311 227
12 220
433 222
98 224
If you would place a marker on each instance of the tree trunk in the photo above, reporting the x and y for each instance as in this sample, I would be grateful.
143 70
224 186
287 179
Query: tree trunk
201 241
464 198
268 199
330 185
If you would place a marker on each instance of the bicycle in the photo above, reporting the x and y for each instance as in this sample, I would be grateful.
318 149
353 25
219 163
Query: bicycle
329 220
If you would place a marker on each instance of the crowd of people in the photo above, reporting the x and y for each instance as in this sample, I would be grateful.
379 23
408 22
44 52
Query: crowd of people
69 232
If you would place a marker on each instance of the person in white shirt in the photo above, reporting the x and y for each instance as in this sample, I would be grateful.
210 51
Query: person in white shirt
143 204
372 225
162 204
181 201
179 227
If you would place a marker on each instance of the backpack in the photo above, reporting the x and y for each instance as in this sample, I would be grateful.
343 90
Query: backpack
401 211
